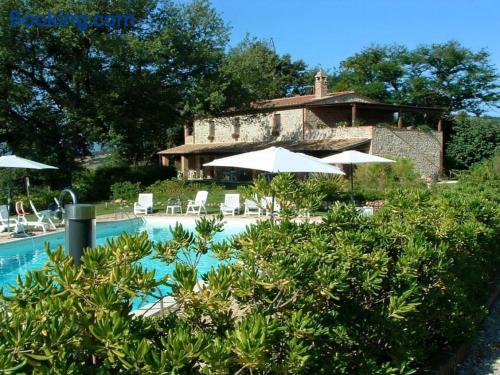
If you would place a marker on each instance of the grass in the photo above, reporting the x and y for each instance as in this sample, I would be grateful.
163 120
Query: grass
160 205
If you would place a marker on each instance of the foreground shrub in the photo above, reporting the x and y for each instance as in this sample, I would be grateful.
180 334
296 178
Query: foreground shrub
350 295
334 187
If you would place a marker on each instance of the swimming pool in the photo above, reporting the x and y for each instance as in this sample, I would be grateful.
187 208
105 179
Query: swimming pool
18 257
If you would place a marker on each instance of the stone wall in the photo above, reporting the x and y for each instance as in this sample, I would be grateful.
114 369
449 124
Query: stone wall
253 127
341 116
328 117
424 148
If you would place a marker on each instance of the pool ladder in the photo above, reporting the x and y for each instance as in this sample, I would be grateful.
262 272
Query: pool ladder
132 217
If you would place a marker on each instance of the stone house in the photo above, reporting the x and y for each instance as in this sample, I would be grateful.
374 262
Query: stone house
320 124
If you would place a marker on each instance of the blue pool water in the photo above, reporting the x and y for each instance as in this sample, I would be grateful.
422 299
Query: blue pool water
18 257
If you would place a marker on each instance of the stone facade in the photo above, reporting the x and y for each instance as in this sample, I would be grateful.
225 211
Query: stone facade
424 148
341 116
252 127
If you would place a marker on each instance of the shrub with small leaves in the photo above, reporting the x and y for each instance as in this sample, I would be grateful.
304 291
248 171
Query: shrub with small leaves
351 295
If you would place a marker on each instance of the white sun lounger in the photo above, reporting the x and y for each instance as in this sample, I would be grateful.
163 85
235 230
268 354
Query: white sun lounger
21 218
231 204
251 208
5 221
42 216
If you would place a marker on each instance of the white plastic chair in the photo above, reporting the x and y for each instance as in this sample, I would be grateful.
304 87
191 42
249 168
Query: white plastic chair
251 208
21 218
365 211
231 204
144 204
195 206
267 205
5 221
42 216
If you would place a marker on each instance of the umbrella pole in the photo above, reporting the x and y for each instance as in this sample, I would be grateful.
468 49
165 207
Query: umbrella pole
352 183
27 180
8 206
272 209
272 175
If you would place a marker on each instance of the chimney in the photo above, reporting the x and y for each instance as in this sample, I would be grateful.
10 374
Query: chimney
320 84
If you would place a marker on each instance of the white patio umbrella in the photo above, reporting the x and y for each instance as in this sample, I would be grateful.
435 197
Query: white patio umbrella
12 161
352 157
275 160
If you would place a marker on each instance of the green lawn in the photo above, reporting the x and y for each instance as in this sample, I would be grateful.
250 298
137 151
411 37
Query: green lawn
160 205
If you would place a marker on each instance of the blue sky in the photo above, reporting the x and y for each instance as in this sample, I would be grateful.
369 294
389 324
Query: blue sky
324 32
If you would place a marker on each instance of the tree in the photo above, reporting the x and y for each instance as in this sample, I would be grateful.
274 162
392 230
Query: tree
377 72
64 88
472 140
264 74
446 75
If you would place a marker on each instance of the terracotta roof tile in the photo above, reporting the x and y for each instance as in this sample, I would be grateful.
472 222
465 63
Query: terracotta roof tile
303 99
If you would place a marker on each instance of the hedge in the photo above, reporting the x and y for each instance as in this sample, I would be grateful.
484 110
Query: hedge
350 295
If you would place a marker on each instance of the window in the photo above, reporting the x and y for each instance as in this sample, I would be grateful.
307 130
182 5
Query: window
276 124
211 130
236 128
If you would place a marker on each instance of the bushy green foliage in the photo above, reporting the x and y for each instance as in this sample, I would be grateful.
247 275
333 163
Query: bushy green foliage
124 190
372 181
333 187
42 198
264 74
446 75
185 190
349 295
293 196
472 140
93 185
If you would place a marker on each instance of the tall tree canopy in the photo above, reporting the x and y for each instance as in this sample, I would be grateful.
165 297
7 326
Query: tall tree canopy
447 75
63 88
262 73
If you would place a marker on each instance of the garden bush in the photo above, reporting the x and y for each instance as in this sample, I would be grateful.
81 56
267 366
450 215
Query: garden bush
350 295
472 139
295 197
185 190
334 187
94 185
372 181
42 198
125 190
